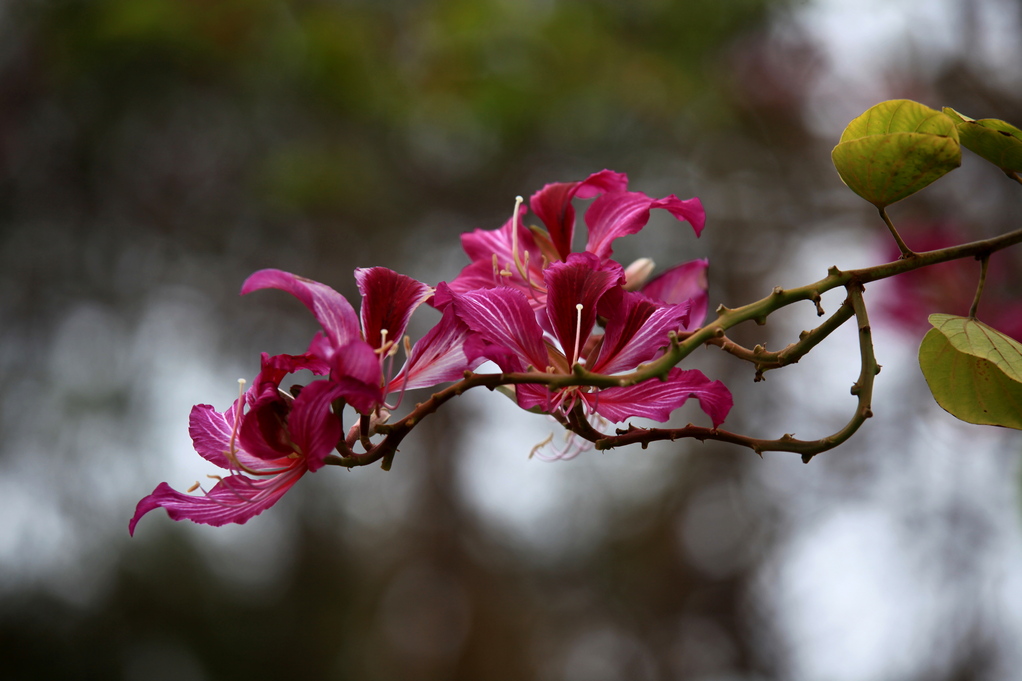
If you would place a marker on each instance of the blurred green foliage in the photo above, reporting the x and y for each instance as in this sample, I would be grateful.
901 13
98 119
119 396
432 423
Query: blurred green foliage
348 102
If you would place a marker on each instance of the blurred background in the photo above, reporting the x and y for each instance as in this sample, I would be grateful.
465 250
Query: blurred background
153 153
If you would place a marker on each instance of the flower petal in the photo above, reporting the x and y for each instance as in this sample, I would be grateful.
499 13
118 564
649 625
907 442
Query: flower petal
211 436
680 283
234 499
618 214
356 369
503 317
579 281
388 300
438 357
334 313
481 246
314 428
552 204
656 399
637 328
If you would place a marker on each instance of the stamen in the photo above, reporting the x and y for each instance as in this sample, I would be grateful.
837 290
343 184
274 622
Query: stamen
541 445
193 487
578 333
514 229
232 450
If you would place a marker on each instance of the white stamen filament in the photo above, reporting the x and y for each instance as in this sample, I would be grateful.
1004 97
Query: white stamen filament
514 229
232 450
578 332
385 346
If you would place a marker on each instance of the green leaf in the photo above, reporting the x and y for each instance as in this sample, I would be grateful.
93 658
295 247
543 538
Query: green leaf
995 140
973 371
899 115
896 148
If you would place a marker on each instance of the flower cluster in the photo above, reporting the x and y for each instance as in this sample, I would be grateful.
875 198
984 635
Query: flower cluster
526 302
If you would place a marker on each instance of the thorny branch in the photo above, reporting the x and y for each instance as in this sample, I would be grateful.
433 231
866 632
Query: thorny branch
713 333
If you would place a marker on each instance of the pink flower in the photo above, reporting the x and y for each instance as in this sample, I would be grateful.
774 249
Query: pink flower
359 350
578 291
265 449
516 256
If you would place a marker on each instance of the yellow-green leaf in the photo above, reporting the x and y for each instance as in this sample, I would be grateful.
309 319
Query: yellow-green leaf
899 115
973 371
896 148
995 140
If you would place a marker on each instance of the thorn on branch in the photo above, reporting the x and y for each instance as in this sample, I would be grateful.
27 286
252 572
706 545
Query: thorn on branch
817 301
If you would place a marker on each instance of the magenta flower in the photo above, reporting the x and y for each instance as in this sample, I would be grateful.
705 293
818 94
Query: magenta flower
516 256
360 354
578 292
266 449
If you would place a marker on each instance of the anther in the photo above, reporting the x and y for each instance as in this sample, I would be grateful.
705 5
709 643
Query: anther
541 445
193 487
384 345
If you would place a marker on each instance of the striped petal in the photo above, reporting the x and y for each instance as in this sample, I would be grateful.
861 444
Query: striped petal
680 283
388 300
503 318
637 328
333 312
552 204
656 399
578 282
234 499
438 357
618 214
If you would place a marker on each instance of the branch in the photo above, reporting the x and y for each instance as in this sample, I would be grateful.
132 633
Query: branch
778 298
765 361
712 333
862 389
